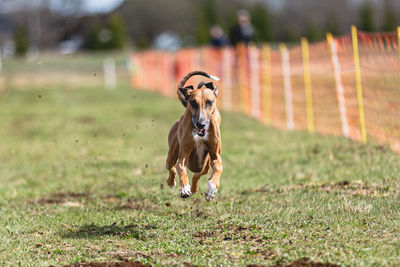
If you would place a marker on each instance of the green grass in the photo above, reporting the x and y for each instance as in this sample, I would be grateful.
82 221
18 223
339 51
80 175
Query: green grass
82 179
81 62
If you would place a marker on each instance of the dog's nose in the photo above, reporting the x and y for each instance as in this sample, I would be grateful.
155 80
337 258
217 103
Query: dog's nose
200 125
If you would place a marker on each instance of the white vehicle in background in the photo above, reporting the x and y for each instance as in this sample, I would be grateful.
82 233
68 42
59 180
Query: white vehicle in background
70 46
167 41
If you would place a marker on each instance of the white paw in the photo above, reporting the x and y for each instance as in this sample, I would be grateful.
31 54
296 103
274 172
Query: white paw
185 192
211 191
173 185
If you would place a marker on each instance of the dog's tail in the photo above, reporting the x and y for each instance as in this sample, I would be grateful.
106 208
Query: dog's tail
193 73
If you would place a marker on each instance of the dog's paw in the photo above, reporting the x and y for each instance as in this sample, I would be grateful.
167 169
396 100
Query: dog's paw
194 189
185 192
171 184
211 191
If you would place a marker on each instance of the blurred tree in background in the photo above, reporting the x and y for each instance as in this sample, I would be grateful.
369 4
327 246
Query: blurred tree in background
111 36
50 22
367 17
389 17
261 21
288 35
314 33
332 25
118 33
207 17
21 40
92 40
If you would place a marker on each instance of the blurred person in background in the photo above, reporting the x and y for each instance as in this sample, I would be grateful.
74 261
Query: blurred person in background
243 32
218 37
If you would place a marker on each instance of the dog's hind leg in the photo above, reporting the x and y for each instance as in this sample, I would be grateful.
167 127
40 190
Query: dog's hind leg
196 177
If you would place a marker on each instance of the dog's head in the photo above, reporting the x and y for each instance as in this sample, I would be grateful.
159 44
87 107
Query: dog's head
201 103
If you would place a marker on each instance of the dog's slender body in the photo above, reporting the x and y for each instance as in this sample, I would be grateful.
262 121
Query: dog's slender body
195 139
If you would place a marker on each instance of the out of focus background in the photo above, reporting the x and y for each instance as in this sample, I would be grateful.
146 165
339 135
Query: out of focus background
69 26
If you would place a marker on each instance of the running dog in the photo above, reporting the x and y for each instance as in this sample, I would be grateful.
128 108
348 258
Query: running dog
195 139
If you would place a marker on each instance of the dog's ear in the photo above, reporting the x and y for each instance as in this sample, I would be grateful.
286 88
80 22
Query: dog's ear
184 93
209 85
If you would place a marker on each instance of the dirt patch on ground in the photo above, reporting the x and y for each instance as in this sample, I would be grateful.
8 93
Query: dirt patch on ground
86 119
72 199
135 231
110 264
229 232
203 234
303 262
92 230
135 204
351 188
238 232
342 187
131 203
125 255
61 198
266 254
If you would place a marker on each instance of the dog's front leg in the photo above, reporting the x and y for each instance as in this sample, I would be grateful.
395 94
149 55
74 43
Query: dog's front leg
181 169
213 182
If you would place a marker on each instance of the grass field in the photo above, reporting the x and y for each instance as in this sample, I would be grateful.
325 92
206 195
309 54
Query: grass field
82 179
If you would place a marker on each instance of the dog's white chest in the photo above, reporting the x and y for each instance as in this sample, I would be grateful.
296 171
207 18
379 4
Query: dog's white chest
200 145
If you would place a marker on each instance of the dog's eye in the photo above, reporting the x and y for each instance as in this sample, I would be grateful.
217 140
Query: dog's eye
209 103
193 103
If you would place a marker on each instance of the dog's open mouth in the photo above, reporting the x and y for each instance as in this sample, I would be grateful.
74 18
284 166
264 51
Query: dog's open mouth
201 132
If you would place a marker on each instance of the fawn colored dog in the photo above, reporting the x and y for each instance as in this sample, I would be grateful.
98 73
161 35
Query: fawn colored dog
195 139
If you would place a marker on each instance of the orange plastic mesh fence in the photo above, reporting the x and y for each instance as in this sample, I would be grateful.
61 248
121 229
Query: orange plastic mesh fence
271 85
381 92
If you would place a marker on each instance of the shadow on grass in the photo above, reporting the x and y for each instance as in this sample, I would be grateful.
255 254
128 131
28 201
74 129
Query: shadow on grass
95 231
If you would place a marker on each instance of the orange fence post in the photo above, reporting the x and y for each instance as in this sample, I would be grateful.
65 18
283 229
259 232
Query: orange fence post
266 88
242 77
287 86
398 45
227 63
254 81
358 83
339 85
307 84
